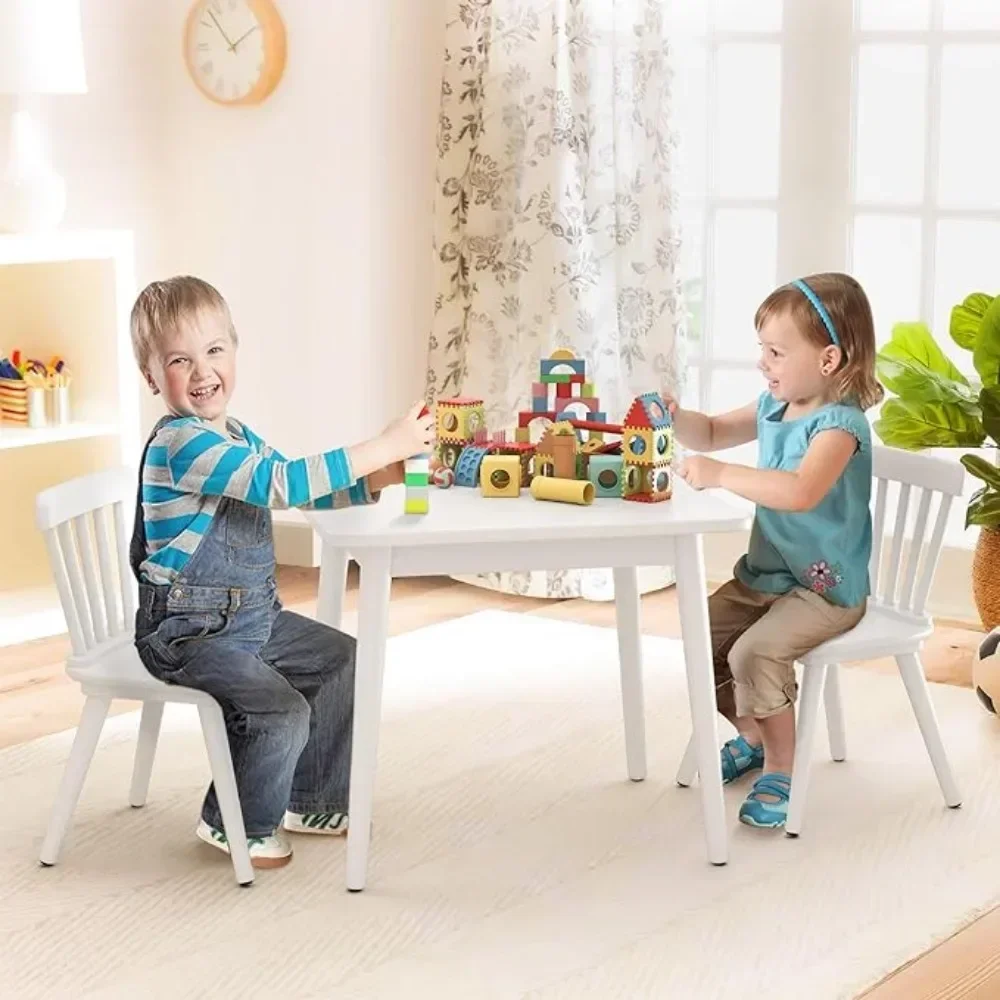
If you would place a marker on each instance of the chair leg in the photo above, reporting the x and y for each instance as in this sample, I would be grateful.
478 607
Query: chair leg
95 711
213 727
835 714
145 751
688 769
912 672
805 734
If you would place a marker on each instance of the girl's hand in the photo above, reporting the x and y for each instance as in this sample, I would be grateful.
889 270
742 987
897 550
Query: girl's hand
702 473
411 434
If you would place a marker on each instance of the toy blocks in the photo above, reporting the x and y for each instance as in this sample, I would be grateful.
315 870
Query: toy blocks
417 481
647 450
458 421
500 476
605 472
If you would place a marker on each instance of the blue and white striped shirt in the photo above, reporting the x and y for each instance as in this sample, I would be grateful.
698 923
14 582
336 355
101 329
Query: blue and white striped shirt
190 465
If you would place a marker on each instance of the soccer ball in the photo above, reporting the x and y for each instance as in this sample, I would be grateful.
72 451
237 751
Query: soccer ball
986 672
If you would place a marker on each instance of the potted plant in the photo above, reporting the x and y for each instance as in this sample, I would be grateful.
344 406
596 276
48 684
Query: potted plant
935 406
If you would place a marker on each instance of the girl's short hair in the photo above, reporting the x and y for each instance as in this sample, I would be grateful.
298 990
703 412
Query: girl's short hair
851 313
163 306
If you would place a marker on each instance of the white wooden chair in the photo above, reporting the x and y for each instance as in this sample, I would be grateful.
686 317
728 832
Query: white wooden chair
895 623
98 600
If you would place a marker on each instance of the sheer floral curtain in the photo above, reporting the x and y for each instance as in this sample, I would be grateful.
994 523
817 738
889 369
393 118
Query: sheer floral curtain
555 214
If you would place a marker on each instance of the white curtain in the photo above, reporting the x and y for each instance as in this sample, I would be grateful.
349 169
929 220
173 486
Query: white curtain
556 220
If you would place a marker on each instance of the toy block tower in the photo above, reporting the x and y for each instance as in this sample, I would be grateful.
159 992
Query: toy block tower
647 450
417 475
458 420
561 391
556 454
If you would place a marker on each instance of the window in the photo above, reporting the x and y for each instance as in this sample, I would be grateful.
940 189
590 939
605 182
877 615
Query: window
856 135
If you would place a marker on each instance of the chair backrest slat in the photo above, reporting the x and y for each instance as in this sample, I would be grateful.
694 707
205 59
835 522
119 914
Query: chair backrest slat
934 477
878 530
92 588
76 585
125 578
916 547
107 572
931 557
898 536
76 636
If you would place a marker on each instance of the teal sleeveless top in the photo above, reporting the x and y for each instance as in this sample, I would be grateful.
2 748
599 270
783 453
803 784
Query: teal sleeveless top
826 549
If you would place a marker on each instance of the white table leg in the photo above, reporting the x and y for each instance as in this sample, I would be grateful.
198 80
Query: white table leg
332 583
693 604
373 622
630 661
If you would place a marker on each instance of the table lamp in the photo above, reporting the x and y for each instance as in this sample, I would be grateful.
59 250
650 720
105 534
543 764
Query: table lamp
41 52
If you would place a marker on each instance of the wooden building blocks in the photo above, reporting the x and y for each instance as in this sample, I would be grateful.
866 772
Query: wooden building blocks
647 450
606 473
500 476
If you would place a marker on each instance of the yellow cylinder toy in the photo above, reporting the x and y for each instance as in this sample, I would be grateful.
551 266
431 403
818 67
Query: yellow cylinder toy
579 491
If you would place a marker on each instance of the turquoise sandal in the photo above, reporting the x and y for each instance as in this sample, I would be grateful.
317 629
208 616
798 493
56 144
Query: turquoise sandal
768 815
739 757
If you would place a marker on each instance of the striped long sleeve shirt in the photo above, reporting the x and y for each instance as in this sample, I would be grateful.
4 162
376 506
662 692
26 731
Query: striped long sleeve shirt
191 465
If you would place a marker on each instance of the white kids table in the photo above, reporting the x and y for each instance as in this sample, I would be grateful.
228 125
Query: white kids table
468 533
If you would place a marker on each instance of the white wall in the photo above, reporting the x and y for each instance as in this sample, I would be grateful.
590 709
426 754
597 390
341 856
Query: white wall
311 212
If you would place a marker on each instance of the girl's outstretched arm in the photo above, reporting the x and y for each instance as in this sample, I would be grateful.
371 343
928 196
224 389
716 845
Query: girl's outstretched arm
822 465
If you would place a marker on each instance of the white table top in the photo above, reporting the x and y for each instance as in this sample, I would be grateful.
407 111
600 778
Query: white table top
464 516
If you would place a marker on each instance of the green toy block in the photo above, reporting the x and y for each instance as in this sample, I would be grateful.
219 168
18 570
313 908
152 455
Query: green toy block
418 479
556 379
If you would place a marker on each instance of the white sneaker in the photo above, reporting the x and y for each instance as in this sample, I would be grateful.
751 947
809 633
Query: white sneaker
328 824
265 852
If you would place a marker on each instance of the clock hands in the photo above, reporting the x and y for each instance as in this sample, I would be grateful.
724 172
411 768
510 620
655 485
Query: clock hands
232 48
244 35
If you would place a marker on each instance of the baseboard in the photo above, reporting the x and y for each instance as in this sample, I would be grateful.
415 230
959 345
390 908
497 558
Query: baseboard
295 544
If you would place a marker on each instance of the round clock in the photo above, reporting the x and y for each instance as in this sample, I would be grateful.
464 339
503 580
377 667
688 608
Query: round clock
235 49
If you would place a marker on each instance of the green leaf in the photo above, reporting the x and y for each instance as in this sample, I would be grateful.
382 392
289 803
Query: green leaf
917 383
913 425
982 469
966 317
984 509
914 342
986 355
989 403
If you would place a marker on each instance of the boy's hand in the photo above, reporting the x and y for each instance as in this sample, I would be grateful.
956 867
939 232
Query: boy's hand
391 475
702 473
411 434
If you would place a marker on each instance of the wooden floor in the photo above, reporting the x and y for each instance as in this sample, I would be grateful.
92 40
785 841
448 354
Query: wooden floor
36 698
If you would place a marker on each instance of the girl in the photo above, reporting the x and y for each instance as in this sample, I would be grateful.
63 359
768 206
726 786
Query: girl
804 579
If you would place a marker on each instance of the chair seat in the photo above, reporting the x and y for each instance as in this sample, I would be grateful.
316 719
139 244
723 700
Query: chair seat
882 632
113 669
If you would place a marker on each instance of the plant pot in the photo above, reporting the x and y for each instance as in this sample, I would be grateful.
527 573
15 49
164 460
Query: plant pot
986 577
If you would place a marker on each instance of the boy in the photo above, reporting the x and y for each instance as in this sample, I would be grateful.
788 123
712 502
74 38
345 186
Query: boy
209 615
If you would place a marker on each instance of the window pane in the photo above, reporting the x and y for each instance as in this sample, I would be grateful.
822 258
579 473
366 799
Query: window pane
744 264
691 118
892 99
967 259
886 260
894 15
747 129
970 139
692 389
688 17
747 15
963 14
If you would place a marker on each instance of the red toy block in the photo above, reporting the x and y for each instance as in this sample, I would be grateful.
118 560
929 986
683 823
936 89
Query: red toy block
564 390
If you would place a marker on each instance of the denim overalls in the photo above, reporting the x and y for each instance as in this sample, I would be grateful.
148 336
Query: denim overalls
285 682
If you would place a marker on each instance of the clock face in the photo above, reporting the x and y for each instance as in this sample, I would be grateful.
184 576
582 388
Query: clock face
229 52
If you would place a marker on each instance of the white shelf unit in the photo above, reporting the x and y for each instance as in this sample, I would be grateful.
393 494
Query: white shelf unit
66 294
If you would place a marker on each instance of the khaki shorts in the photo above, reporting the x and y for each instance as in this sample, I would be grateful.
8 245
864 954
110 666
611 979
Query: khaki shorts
756 639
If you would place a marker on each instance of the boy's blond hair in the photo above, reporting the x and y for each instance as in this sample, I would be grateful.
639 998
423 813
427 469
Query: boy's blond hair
163 306
848 306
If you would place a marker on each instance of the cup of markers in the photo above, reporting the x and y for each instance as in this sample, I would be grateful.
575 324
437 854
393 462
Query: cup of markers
33 393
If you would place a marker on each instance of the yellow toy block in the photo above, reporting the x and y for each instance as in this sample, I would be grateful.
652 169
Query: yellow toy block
500 476
416 505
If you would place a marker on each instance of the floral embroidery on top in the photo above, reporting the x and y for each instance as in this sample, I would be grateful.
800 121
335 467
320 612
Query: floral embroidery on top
823 576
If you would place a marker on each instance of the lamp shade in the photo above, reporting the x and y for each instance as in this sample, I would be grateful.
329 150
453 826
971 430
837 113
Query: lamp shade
41 47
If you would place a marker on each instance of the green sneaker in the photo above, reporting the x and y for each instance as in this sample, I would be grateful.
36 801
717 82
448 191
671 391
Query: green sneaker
332 824
265 852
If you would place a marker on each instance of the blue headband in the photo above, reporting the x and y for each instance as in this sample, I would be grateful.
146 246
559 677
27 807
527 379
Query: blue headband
819 307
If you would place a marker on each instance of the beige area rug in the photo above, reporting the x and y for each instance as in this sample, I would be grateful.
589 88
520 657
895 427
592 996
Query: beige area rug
511 858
